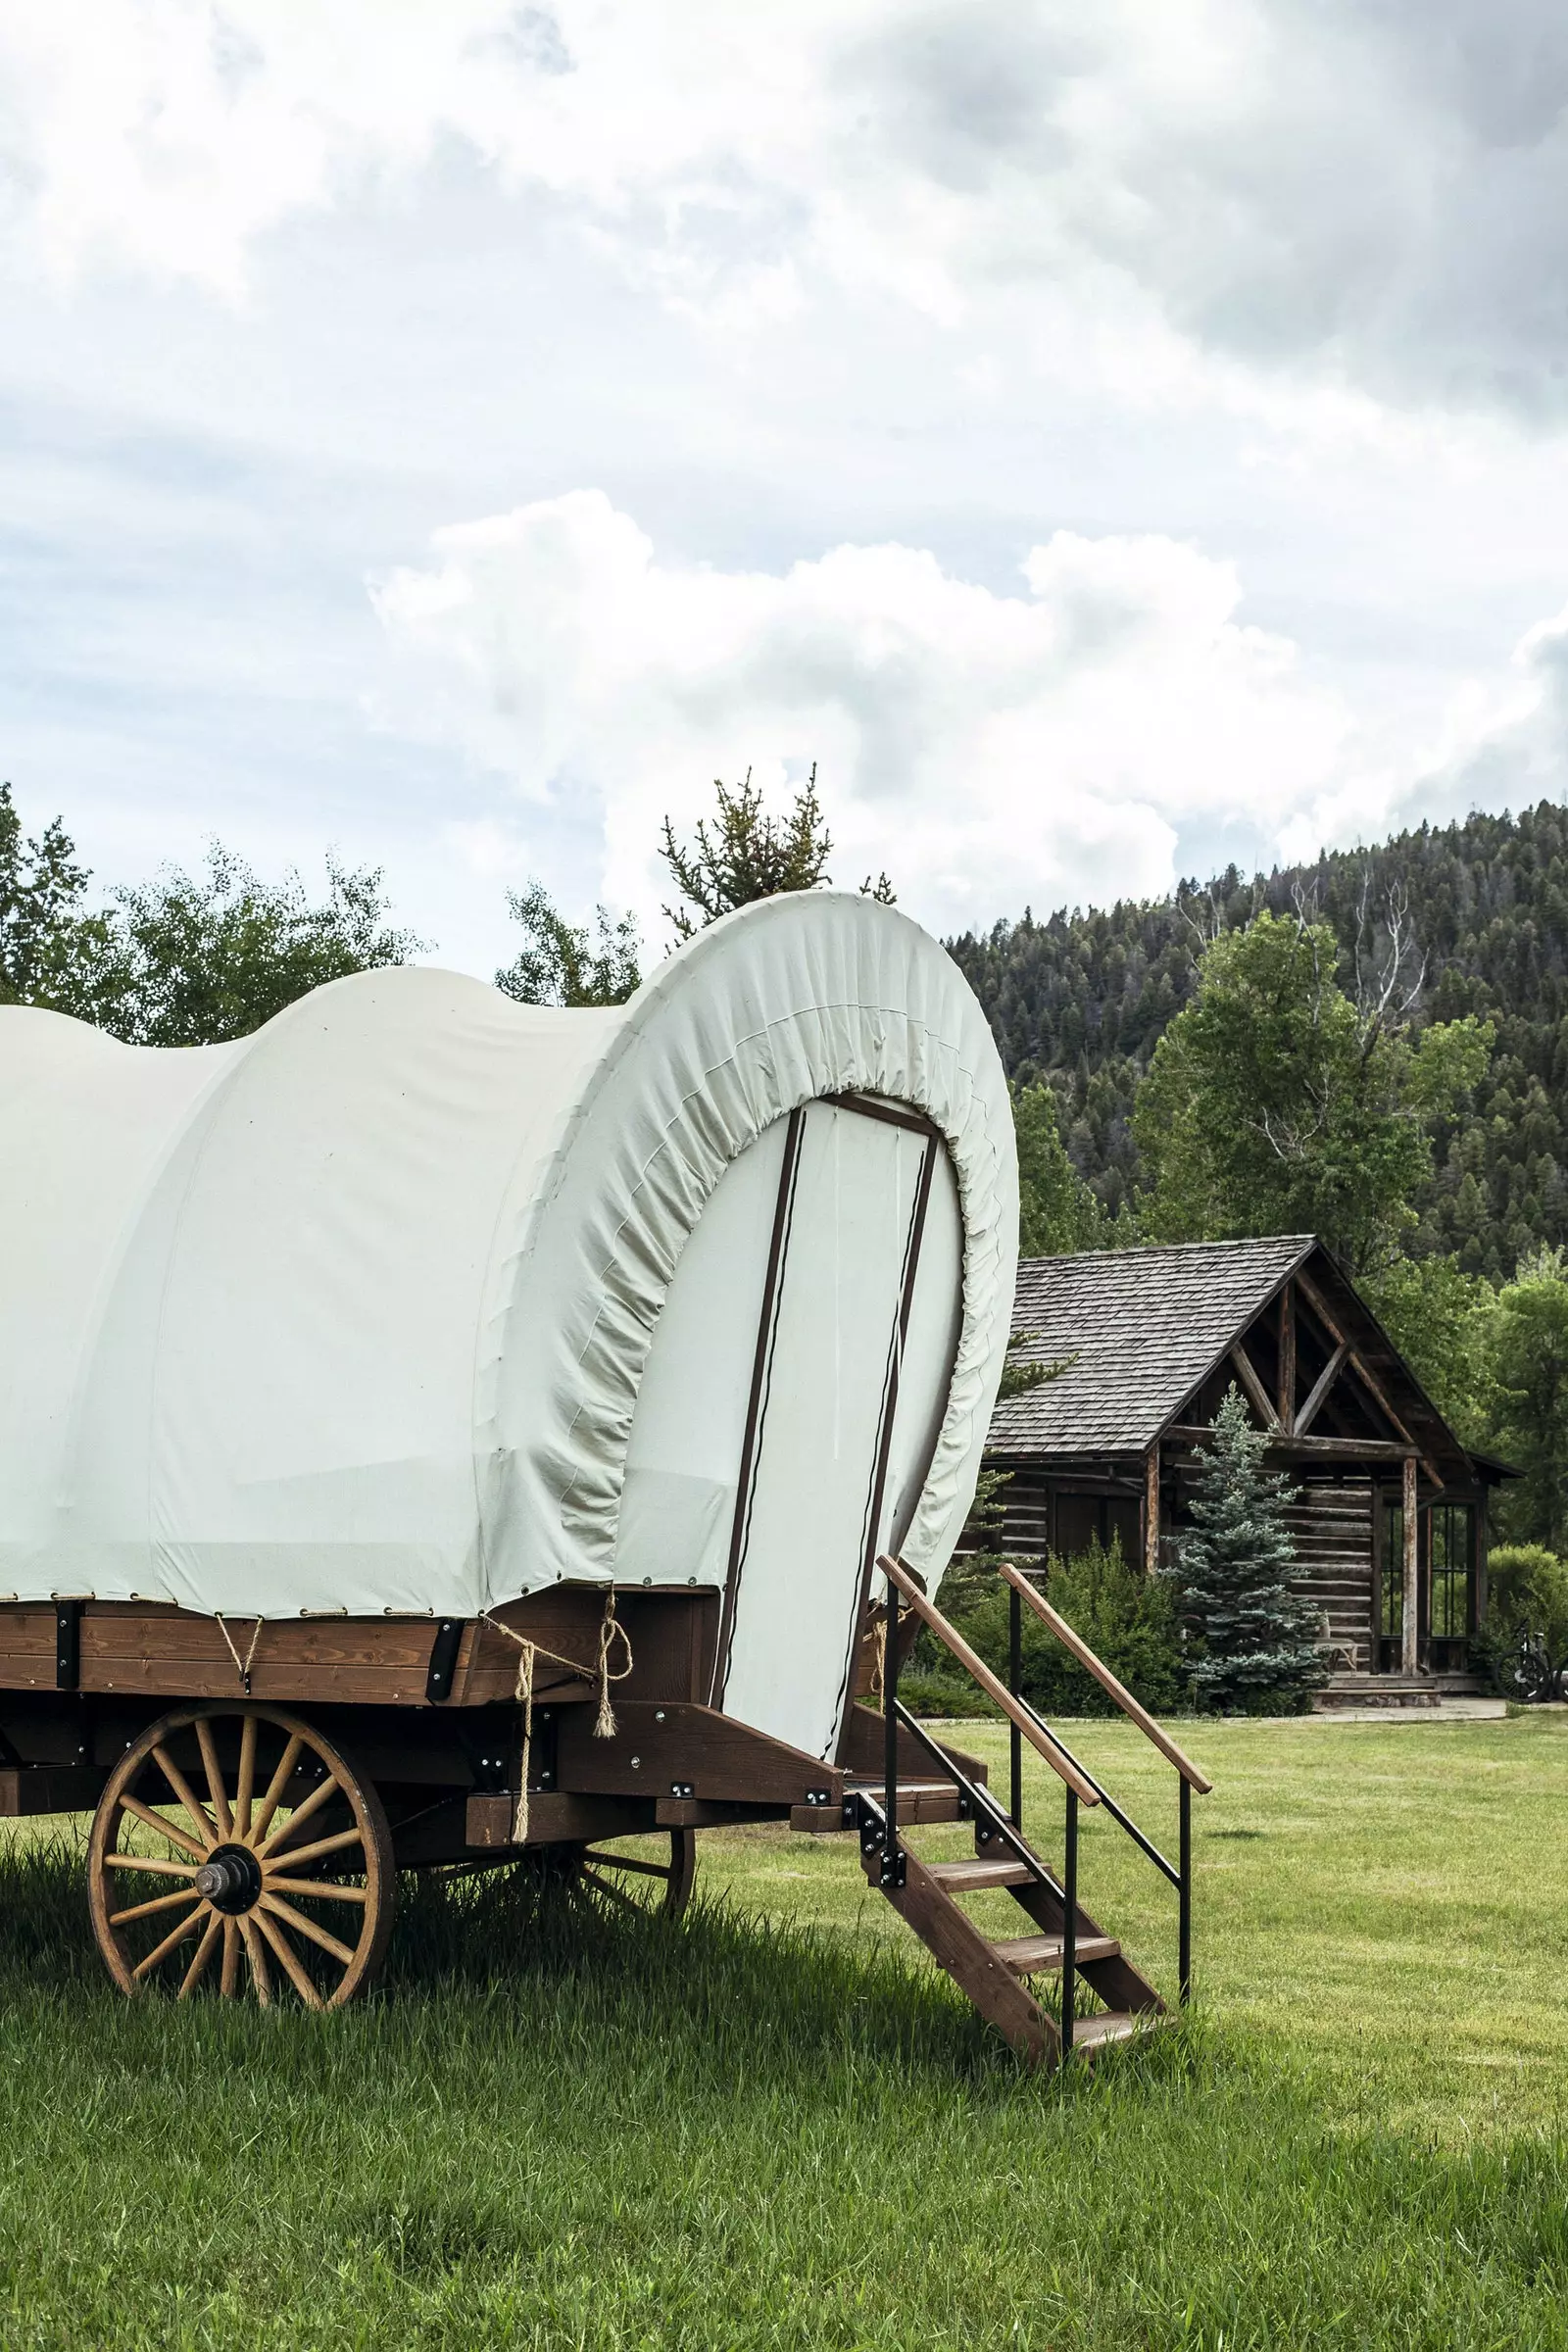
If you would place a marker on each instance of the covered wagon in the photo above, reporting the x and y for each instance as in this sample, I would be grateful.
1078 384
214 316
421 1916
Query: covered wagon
440 1431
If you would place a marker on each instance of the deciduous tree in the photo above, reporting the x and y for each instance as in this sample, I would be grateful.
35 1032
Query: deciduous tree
1056 1211
1529 1363
199 958
566 963
1276 1103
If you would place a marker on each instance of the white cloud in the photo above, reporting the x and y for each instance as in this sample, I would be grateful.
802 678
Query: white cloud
1376 196
984 749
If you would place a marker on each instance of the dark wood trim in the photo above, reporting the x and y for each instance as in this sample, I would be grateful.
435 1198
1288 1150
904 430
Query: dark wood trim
1410 1621
893 1114
1151 1511
1287 1381
890 1408
1252 1383
767 1323
1320 1389
1321 1309
1348 1450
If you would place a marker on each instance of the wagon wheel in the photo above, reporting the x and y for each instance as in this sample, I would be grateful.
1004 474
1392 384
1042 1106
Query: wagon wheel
209 1829
642 1879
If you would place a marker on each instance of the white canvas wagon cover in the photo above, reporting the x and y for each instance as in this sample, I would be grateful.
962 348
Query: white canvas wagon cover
356 1314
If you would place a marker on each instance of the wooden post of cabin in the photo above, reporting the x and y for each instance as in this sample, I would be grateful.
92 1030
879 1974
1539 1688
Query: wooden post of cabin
1410 1615
1286 1396
1152 1512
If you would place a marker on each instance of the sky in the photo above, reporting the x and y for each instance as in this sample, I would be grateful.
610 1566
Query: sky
1109 442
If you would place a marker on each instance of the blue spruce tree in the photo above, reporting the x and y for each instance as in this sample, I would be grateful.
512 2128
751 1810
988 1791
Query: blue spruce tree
1254 1641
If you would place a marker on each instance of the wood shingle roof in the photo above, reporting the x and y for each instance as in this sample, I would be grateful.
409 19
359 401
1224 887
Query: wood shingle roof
1144 1327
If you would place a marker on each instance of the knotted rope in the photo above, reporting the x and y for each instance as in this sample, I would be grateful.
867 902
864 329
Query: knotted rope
879 1663
604 1721
242 1669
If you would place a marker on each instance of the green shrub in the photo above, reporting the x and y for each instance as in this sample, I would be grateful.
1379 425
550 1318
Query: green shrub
1527 1593
1127 1619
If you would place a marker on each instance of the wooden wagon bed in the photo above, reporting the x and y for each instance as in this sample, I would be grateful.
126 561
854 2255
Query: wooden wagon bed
420 1749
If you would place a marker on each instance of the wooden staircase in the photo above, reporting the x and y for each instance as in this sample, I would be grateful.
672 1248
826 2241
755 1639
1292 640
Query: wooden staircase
1002 1975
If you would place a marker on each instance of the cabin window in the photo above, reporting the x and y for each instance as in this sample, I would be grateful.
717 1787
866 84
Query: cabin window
1104 1519
1447 1540
1451 1558
1391 1626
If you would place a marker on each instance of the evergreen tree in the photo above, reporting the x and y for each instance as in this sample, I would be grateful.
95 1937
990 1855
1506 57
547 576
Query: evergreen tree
1254 1640
745 856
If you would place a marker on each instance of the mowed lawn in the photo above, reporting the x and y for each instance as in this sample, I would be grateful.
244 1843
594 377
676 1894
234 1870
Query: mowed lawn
775 2125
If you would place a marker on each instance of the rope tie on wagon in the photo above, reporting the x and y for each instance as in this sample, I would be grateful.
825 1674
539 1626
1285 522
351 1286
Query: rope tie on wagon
529 1651
241 1667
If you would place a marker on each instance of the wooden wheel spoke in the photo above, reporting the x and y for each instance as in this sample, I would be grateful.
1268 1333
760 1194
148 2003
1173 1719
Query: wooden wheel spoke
205 1826
214 1780
330 1891
256 1954
165 1829
202 1954
330 1787
275 1787
308 1927
245 1784
153 1864
160 1951
161 1902
616 1895
289 1959
646 1870
323 1869
296 1855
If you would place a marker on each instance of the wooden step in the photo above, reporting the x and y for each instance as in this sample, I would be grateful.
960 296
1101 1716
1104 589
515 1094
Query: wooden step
1040 1955
1111 2024
968 1878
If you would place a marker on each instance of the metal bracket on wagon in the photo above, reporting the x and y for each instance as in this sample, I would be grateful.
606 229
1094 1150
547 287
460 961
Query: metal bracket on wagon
443 1659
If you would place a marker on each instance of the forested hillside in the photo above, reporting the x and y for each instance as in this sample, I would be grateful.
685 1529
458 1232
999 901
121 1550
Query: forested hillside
1081 999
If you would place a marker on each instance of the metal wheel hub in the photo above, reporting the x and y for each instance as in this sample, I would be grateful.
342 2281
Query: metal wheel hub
231 1879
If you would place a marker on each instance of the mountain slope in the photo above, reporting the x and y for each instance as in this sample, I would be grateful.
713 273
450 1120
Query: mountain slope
1081 999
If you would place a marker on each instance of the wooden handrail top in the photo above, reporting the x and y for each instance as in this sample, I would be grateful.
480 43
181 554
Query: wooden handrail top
1106 1680
1032 1730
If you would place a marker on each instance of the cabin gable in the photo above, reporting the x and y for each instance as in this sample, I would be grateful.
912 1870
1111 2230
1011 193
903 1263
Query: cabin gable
1390 1517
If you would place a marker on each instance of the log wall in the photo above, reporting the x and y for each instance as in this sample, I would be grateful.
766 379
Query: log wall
1332 1526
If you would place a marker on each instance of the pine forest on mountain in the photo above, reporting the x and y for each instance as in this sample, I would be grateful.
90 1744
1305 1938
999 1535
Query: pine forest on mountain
1081 999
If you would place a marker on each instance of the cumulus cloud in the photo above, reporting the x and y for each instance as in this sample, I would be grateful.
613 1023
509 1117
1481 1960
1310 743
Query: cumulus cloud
984 749
1379 193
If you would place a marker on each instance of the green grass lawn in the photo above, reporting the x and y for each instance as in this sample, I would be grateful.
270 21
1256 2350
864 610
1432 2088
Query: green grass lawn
775 2125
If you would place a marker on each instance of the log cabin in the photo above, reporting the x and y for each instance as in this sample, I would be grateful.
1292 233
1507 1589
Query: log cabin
1391 1524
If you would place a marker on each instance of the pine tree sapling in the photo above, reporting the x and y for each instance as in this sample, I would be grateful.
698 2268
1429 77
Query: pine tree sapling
742 854
1253 1641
